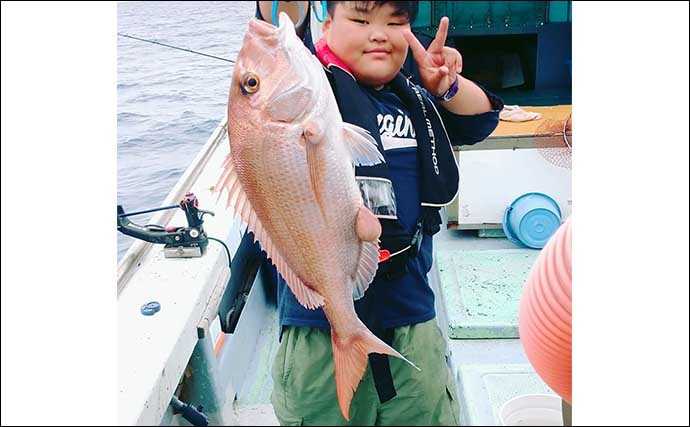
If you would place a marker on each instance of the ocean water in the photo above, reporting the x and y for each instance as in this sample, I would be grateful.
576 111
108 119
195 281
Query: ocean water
169 101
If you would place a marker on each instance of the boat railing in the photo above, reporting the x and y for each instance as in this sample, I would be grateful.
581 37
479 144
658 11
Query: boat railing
156 352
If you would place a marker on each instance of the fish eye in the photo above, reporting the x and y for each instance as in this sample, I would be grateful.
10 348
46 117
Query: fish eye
249 83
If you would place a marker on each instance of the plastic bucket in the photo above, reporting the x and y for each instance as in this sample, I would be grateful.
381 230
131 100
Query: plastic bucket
532 410
531 219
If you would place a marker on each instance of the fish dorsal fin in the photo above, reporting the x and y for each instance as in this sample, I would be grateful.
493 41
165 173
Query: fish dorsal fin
237 198
362 146
368 264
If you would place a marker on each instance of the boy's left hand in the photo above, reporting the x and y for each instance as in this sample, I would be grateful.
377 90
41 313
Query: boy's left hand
438 65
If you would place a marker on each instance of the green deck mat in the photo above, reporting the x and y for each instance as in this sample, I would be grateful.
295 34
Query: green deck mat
482 290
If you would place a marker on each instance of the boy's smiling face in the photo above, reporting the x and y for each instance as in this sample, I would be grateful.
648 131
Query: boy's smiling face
369 42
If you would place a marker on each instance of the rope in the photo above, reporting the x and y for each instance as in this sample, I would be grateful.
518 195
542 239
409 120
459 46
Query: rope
565 137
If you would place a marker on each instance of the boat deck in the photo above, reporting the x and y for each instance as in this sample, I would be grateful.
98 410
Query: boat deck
479 280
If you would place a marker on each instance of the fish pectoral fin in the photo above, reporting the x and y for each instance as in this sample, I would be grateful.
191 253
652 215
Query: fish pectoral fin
350 360
362 146
313 134
366 270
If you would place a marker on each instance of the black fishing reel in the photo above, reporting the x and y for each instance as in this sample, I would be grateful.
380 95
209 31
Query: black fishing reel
180 242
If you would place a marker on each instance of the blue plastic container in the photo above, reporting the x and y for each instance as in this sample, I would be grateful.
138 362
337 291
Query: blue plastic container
531 220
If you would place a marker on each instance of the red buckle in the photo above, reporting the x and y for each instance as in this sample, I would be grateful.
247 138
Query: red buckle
384 254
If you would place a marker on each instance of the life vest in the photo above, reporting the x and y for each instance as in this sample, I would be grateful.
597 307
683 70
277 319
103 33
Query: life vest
437 166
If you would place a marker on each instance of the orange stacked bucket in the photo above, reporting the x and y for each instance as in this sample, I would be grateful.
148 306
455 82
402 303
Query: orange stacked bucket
545 319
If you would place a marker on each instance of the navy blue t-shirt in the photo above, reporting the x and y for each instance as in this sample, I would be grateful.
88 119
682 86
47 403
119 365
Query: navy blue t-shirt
409 298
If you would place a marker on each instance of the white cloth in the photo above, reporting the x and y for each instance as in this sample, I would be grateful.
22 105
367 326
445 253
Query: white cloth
513 113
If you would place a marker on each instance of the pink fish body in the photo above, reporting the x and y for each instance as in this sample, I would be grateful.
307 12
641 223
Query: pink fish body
290 177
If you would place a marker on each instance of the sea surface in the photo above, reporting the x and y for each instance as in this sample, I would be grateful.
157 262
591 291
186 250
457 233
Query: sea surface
169 101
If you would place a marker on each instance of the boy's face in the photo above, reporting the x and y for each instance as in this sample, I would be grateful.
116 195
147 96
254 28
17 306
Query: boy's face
370 43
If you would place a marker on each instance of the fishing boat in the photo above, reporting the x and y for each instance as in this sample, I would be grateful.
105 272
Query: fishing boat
197 324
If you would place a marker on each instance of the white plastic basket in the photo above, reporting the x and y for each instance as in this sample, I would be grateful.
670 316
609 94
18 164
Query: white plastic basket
532 410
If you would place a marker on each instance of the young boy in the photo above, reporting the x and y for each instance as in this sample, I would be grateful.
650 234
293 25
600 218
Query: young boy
363 48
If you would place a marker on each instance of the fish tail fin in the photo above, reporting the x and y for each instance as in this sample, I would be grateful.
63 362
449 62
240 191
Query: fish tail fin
350 359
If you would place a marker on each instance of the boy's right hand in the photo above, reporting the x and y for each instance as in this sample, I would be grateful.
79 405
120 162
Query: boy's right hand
439 65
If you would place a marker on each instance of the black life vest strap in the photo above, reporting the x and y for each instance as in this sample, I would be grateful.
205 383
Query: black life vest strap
381 370
395 239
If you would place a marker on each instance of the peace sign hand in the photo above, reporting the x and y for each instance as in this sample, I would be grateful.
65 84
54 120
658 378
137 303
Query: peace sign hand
438 65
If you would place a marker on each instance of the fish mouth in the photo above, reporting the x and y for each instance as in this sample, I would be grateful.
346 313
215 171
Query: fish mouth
261 28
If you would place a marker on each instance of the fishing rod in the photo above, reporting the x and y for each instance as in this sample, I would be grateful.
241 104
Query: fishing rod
274 8
175 47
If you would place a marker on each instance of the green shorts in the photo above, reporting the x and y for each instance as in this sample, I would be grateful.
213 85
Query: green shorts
304 381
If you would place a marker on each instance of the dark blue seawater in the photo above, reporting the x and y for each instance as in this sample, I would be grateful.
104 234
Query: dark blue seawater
169 101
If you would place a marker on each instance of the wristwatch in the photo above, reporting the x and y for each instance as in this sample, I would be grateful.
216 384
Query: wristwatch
451 92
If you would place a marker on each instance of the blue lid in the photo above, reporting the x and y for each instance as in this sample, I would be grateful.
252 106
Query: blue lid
507 230
537 226
531 220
